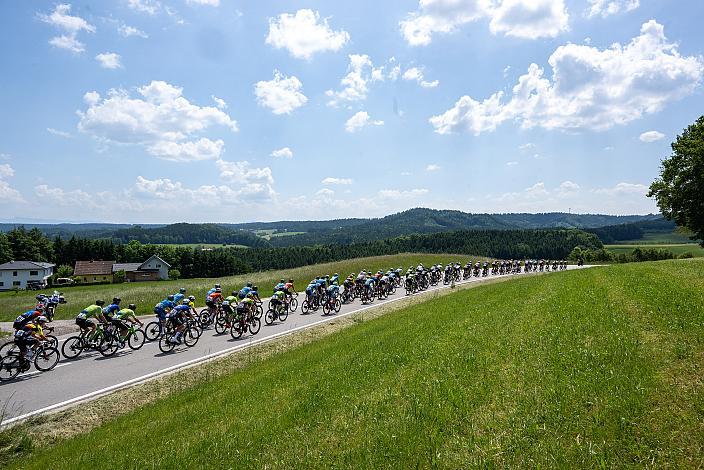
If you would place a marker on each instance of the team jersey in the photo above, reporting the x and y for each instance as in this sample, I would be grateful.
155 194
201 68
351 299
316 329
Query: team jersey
28 329
232 299
165 304
25 318
278 295
279 286
123 314
181 309
90 311
288 285
178 298
111 309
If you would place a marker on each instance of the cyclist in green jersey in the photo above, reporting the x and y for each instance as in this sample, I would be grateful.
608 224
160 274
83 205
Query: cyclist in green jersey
83 319
121 317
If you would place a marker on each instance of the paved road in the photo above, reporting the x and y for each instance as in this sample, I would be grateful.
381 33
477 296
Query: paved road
92 375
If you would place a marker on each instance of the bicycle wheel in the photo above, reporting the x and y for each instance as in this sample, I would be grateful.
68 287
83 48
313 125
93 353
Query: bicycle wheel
259 312
108 346
46 358
254 325
72 347
190 337
305 307
9 367
221 324
293 304
338 305
53 341
152 331
269 317
326 308
136 339
8 348
283 314
164 344
204 319
236 331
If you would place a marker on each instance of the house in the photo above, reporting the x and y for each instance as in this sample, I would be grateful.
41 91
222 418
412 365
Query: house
88 272
153 269
16 274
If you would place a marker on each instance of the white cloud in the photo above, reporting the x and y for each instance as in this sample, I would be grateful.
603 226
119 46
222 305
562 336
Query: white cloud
511 163
128 31
62 197
71 25
149 7
590 88
250 183
7 192
398 194
651 136
162 120
624 189
59 133
359 120
567 189
109 60
520 18
282 153
325 192
606 8
416 74
304 34
527 146
432 167
68 42
360 72
212 3
202 149
220 103
330 180
282 94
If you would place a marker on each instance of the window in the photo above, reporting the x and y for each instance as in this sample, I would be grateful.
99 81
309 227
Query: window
2 283
103 278
14 273
34 273
94 278
16 283
158 265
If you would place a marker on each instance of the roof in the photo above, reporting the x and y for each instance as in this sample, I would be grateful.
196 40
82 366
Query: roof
18 265
155 257
127 267
93 267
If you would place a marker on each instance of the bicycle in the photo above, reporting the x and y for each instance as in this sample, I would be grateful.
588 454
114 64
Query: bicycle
110 343
333 304
75 345
45 359
276 312
243 323
189 337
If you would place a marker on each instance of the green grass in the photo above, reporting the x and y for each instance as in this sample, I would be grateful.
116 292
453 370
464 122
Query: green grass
593 368
676 248
147 294
270 233
658 238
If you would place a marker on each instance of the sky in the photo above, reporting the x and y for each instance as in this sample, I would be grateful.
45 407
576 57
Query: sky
146 111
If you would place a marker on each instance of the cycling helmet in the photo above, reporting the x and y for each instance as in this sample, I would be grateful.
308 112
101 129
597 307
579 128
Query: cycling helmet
170 298
182 290
186 301
132 307
255 288
116 300
281 281
40 297
218 290
217 286
100 302
42 319
191 298
291 281
249 284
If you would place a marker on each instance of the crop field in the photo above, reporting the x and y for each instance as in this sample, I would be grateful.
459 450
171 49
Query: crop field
147 294
591 368
676 248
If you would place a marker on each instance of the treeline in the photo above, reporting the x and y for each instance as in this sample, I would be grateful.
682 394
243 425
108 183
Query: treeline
189 233
591 255
194 262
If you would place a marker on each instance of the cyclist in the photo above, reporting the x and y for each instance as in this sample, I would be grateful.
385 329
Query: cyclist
164 307
280 286
290 289
178 297
26 318
335 278
254 294
92 311
175 316
120 318
312 292
333 290
29 335
245 290
111 309
245 306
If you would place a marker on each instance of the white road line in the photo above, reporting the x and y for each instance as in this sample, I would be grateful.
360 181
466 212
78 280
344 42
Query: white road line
215 355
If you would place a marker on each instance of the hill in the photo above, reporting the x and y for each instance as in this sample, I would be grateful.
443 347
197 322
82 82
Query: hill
574 370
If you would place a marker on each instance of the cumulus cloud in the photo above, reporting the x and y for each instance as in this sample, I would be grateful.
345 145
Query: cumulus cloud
149 7
7 192
109 60
624 189
220 103
59 133
211 3
398 194
304 34
355 85
606 8
359 120
651 136
282 94
567 188
415 74
329 180
432 167
520 18
161 119
589 88
129 31
282 153
71 25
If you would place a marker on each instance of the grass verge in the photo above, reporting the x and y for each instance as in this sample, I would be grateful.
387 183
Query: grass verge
598 367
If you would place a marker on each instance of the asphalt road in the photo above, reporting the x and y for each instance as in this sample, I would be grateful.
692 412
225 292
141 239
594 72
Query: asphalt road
92 375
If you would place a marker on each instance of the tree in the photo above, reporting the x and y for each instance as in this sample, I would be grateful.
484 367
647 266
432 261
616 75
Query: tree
64 270
680 189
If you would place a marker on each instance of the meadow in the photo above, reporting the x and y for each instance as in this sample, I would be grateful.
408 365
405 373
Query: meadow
597 367
677 248
146 294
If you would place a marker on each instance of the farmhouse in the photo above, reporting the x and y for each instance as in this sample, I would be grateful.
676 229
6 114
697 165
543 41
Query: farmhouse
153 269
88 272
18 274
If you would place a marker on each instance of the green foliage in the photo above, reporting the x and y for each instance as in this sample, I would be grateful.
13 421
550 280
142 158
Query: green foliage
189 233
174 274
685 255
596 368
64 270
680 189
119 276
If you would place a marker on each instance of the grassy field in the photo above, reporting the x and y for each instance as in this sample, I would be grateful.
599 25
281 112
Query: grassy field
676 248
592 368
147 294
202 245
657 238
268 234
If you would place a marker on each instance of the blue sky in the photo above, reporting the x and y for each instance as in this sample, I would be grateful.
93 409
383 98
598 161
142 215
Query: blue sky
231 111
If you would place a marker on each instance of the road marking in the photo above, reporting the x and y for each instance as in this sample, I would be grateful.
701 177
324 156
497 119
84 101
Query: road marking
224 352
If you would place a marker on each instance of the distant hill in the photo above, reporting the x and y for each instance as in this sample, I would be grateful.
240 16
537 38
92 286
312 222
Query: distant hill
190 233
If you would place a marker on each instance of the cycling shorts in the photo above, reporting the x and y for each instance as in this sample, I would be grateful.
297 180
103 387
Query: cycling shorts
84 323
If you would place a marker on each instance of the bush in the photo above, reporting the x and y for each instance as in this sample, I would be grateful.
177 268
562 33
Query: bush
119 277
174 274
685 255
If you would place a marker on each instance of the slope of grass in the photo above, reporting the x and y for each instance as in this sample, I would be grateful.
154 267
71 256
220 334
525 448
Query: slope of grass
676 248
598 367
147 294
